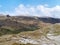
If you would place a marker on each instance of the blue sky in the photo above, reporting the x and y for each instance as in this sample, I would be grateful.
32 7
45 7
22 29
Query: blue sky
8 6
11 4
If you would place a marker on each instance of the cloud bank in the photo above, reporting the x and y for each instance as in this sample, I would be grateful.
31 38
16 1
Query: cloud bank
39 10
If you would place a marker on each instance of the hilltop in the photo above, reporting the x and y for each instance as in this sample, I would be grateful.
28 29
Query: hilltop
16 24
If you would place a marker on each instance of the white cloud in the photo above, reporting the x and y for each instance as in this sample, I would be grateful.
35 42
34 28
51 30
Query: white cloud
39 10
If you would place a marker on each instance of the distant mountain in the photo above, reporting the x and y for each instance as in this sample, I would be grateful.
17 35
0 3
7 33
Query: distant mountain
43 19
49 20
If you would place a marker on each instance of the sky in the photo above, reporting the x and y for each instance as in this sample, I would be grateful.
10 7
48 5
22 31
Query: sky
41 8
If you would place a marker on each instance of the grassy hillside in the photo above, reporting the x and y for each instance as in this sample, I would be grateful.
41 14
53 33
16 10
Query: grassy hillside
13 29
13 25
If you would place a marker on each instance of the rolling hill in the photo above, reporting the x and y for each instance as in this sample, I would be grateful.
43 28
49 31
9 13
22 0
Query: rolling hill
25 30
